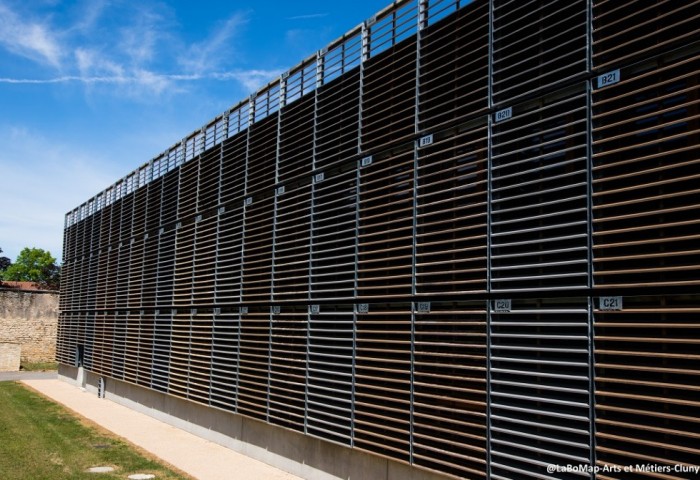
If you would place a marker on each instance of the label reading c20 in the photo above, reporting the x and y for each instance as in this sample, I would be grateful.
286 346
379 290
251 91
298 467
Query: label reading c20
502 305
608 78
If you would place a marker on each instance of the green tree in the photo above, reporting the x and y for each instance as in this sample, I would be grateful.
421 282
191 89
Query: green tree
34 265
4 263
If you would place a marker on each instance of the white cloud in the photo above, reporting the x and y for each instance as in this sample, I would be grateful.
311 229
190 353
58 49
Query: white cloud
147 36
93 63
42 181
209 54
125 62
139 44
251 80
134 59
30 39
153 82
307 17
90 13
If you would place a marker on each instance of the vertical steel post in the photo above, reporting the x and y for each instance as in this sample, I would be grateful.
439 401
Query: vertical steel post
591 280
489 213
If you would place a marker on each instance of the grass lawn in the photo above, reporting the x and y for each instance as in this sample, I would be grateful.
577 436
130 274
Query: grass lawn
39 366
41 440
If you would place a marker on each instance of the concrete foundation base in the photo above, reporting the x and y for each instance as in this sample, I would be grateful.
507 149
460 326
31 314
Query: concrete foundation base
302 455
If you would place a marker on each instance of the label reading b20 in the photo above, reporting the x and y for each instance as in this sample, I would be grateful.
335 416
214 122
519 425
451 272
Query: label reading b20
608 78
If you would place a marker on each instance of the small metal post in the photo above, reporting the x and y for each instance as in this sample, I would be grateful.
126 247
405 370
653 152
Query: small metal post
366 52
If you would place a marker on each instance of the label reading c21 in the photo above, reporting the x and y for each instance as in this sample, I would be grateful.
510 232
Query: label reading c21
610 303
609 78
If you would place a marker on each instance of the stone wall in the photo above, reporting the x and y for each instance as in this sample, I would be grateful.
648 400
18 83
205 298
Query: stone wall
30 319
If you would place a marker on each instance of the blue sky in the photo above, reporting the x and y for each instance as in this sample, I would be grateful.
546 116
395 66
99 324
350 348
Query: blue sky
90 90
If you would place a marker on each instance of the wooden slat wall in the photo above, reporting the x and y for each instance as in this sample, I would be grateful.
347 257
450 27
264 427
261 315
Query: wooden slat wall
647 375
646 162
401 244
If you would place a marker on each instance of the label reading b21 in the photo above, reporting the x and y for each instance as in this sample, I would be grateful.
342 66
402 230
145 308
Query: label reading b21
608 78
503 114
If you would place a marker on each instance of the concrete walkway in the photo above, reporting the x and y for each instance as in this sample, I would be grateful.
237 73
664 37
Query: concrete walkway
200 458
